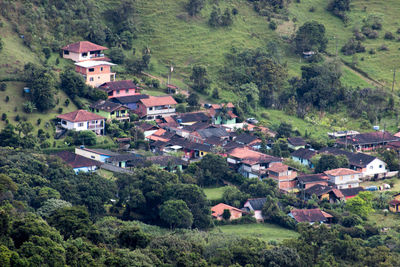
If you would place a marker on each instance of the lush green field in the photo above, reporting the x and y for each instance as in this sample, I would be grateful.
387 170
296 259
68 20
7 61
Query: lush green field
214 193
264 231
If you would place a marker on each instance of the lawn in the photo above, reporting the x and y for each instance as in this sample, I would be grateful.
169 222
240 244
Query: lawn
264 231
396 182
214 193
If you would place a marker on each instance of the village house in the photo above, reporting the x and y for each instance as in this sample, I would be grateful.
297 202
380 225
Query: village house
97 154
110 110
95 73
132 102
310 216
153 107
120 88
81 120
327 192
394 205
121 160
309 180
218 210
351 192
248 140
84 50
296 143
199 136
222 113
255 205
190 118
147 128
367 141
250 163
304 156
344 178
77 162
368 165
285 177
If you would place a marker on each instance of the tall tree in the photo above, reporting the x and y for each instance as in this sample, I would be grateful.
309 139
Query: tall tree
176 214
311 37
199 78
194 7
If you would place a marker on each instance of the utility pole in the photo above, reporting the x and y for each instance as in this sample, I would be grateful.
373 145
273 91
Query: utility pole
394 77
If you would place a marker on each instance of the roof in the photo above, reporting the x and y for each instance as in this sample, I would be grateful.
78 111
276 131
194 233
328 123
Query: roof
350 192
310 215
257 203
191 117
118 85
83 46
341 171
219 106
79 116
93 63
101 151
154 101
394 144
146 126
312 178
303 153
356 159
319 190
296 141
129 99
76 161
218 209
107 105
214 140
196 126
368 138
394 202
121 157
245 138
163 161
252 157
212 131
278 167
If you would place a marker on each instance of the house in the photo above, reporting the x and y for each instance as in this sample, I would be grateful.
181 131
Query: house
96 72
222 113
120 88
110 110
310 216
84 50
147 128
153 107
308 180
77 162
351 192
323 192
100 155
248 140
368 165
199 136
219 209
304 156
344 178
80 120
250 163
285 177
121 160
341 134
129 101
168 163
255 205
394 205
296 143
367 141
191 118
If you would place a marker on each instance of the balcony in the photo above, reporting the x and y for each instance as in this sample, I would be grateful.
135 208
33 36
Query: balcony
160 111
95 126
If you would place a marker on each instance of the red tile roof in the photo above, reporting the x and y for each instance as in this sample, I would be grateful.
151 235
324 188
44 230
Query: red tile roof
76 161
394 202
252 157
154 101
310 215
278 167
218 209
341 171
219 106
80 115
118 85
83 46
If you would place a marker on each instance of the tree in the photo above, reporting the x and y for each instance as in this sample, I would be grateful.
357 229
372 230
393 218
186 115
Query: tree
73 84
199 78
194 7
329 162
176 214
193 100
311 37
390 157
249 91
226 215
51 205
233 196
226 19
284 130
361 204
133 238
71 221
85 138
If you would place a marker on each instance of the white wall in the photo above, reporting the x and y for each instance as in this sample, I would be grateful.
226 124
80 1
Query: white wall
375 167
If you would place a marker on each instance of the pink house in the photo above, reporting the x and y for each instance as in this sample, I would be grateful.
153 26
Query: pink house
120 88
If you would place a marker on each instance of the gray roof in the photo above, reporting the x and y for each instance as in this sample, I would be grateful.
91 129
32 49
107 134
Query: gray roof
257 203
219 132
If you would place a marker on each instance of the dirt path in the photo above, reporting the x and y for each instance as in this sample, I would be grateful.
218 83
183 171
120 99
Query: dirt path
362 76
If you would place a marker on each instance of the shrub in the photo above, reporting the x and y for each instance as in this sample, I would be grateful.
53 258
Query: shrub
312 9
60 110
272 25
66 103
383 47
3 116
235 11
372 51
389 36
17 118
39 121
7 99
3 87
352 46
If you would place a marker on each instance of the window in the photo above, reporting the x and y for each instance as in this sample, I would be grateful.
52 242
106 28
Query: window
66 52
91 79
117 92
380 166
64 122
112 113
371 167
97 110
127 91
80 124
93 157
91 69
101 68
93 122
84 54
150 108
98 77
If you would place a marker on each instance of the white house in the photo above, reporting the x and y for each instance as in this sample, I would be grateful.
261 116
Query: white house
344 178
153 107
80 120
84 50
255 205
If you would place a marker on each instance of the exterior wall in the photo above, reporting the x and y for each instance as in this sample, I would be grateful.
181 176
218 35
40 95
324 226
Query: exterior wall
258 215
377 166
287 184
394 208
218 120
234 215
348 185
77 57
98 127
120 93
85 169
101 112
345 180
304 162
312 184
295 147
72 55
91 155
100 75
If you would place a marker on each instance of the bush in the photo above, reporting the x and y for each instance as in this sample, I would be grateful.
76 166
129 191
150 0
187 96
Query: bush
383 47
60 110
352 46
312 9
17 118
272 25
7 99
3 116
180 108
39 121
372 51
389 36
3 87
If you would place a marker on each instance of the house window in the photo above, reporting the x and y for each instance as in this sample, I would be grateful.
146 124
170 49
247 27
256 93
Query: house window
80 124
101 68
117 92
97 110
371 167
112 113
84 54
91 79
127 91
93 157
64 122
93 122
380 166
66 52
91 69
150 108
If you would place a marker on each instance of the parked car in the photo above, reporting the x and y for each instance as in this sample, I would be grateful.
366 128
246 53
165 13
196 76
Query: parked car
206 105
252 120
371 188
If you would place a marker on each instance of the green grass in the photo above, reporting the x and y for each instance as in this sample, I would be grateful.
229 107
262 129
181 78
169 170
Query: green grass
263 231
214 193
